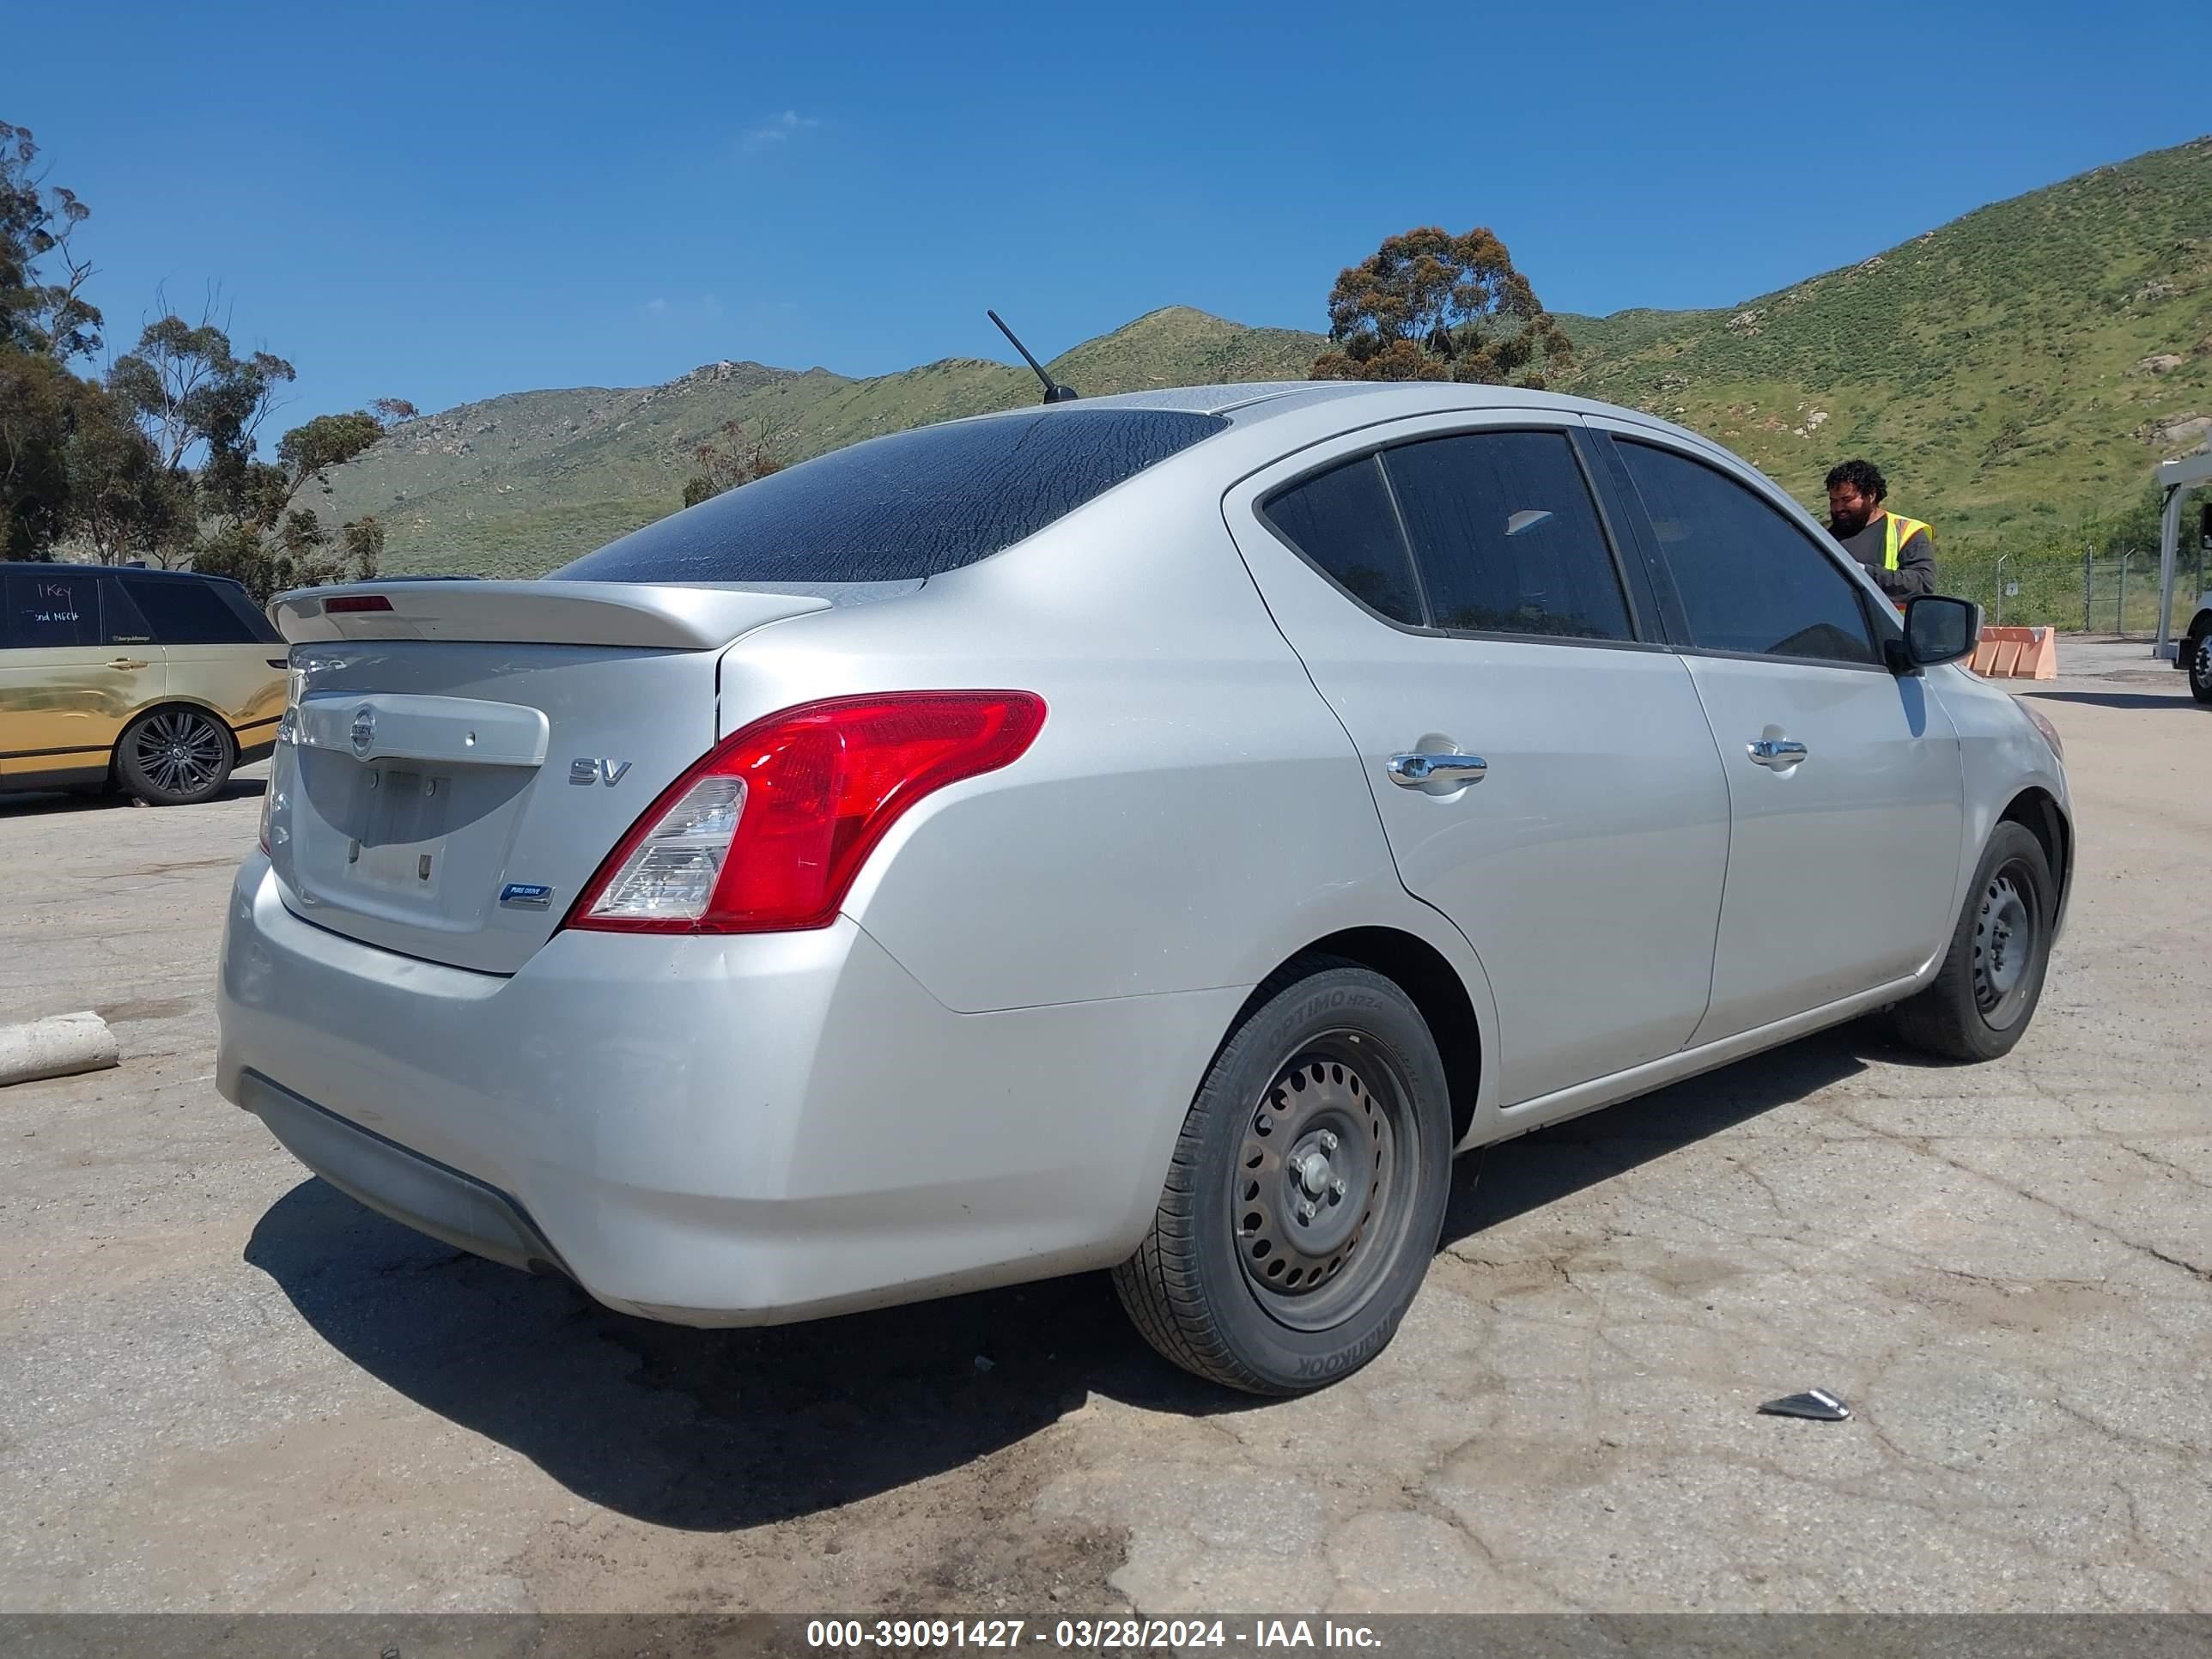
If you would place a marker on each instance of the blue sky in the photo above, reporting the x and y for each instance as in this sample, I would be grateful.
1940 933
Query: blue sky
446 202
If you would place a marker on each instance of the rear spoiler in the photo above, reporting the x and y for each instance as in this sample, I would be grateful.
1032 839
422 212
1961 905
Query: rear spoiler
534 613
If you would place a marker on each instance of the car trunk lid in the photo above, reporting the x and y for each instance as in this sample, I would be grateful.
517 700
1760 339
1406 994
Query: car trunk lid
455 769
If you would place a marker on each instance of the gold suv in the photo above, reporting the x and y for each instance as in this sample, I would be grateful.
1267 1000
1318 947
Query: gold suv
157 682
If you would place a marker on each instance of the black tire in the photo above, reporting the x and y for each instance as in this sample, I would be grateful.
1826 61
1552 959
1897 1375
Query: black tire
175 757
1986 992
1334 1062
2197 655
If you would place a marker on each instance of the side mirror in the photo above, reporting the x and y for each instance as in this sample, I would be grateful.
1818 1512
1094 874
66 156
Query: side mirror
1939 629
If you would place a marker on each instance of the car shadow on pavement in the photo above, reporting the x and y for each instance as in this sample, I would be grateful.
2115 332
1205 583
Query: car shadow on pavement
1547 1165
725 1430
2177 698
704 1429
32 804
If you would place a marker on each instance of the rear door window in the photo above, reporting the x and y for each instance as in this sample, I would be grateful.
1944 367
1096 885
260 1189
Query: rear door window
1506 537
1750 581
255 620
1342 520
915 504
186 613
48 608
121 621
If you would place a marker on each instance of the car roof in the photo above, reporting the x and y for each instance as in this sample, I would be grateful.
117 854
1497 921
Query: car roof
1360 403
120 570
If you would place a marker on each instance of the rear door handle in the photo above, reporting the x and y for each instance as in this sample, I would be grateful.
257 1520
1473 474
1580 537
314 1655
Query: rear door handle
1777 754
1417 771
128 662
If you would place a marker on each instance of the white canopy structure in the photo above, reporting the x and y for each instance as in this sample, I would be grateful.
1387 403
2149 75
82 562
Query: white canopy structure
2176 478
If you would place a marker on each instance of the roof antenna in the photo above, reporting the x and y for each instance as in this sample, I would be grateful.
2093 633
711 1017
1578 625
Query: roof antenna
1054 392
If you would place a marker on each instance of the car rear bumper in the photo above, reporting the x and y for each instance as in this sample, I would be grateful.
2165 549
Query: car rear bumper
404 1185
711 1130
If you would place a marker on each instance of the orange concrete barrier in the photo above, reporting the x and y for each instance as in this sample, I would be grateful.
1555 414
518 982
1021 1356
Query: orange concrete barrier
2017 653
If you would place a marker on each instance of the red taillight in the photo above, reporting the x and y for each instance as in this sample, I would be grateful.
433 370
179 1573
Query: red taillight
767 833
345 602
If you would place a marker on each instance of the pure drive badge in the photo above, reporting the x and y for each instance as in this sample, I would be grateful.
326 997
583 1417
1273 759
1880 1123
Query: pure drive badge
525 896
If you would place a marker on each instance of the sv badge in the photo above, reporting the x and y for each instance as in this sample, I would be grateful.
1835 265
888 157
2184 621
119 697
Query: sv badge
589 772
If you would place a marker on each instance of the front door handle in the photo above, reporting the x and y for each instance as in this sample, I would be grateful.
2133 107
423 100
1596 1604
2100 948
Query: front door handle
1417 771
1777 754
129 663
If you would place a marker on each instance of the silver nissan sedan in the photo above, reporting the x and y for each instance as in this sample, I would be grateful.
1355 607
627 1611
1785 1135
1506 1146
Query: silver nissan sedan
1152 833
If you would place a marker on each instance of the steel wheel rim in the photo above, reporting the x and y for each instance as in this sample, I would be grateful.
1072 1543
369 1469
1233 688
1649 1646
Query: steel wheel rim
1322 1190
2007 934
181 753
2203 668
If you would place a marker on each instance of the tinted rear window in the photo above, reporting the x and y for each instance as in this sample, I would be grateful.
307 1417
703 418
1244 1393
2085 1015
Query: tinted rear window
257 625
914 504
51 607
188 612
1342 520
1506 537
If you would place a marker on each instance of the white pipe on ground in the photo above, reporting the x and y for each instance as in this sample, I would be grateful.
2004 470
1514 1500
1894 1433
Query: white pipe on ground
59 1046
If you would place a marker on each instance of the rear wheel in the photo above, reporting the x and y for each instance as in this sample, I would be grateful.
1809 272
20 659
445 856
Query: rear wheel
2198 650
174 756
1308 1188
1992 976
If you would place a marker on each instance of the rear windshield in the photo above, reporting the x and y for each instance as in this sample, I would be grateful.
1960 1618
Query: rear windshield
914 504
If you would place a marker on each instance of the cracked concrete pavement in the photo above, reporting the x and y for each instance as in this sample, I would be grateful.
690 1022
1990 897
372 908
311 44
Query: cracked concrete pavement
224 1386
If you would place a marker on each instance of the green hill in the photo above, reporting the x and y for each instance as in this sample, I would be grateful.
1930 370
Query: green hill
2013 372
1182 347
517 484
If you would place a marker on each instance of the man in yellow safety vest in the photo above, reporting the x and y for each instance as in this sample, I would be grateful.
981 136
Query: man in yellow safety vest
1898 552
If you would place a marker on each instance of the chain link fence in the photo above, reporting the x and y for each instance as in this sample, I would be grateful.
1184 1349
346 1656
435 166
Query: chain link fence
2099 590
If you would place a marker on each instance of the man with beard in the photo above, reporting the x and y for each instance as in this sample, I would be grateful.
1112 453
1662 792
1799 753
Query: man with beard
1898 552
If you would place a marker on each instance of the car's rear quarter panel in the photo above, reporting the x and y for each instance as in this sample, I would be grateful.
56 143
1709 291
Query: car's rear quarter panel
1191 814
